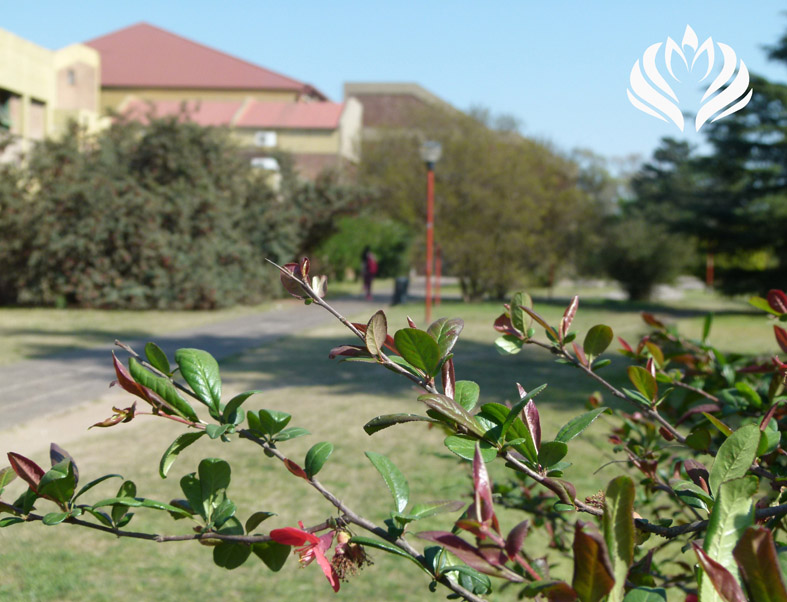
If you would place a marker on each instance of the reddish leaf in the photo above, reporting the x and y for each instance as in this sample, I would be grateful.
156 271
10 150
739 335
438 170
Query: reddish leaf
565 491
777 300
449 378
26 469
492 554
462 550
541 321
304 267
290 274
516 538
625 345
697 472
503 324
768 416
592 568
58 454
130 385
348 351
759 565
389 341
482 487
723 581
651 320
568 317
666 434
781 337
410 322
121 415
703 407
580 354
295 469
533 422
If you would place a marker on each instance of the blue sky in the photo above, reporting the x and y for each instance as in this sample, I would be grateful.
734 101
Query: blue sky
562 68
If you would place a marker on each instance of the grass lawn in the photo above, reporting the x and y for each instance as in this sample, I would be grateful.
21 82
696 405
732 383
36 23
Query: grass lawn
333 400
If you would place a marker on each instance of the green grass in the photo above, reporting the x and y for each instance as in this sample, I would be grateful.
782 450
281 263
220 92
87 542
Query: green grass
333 400
30 333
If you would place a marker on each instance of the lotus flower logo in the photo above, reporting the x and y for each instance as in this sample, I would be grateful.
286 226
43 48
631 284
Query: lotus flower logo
651 94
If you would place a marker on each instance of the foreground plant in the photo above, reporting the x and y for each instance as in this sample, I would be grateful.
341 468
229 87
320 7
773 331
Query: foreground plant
698 432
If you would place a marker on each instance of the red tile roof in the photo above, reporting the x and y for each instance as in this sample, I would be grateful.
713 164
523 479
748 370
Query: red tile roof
204 113
249 114
145 56
291 115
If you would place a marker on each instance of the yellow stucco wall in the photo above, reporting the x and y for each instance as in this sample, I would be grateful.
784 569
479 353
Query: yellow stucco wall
112 98
292 141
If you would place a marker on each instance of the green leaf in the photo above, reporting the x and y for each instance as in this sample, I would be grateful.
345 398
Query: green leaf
470 579
749 394
316 457
201 371
376 333
427 509
163 388
446 332
177 446
230 555
466 394
216 430
272 421
618 525
464 447
720 426
157 358
519 319
756 556
382 545
272 553
732 514
54 518
592 571
699 439
517 408
95 482
551 453
419 349
450 409
232 406
214 477
689 489
382 422
58 482
734 457
646 594
10 520
393 478
597 340
7 475
192 489
578 424
644 382
508 344
706 326
292 432
255 519
763 304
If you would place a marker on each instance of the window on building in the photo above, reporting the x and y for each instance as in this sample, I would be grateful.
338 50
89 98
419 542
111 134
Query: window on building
265 139
5 110
71 77
267 163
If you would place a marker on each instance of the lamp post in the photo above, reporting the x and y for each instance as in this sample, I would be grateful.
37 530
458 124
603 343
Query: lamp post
430 153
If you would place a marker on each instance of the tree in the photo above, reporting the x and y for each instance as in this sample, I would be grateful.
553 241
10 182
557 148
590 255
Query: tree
506 207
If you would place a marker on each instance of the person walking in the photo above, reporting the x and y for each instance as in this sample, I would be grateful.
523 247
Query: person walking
368 270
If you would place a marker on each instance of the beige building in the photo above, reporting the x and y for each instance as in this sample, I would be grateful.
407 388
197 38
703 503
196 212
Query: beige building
147 70
41 90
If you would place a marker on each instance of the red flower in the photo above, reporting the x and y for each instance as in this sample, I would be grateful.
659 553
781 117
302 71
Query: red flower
313 548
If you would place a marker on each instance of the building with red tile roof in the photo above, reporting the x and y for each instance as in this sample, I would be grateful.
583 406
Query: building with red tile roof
145 69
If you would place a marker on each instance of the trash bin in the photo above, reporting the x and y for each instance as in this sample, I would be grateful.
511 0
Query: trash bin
400 290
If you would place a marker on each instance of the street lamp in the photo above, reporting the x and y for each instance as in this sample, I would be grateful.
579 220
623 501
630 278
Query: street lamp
430 153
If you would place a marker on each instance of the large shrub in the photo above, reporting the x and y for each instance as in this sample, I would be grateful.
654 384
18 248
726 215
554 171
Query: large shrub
167 214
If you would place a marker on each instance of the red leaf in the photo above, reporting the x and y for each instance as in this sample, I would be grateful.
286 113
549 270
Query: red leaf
703 407
482 486
410 322
295 469
781 337
449 378
503 324
568 317
26 469
768 415
290 274
389 341
625 345
304 267
463 550
533 421
516 538
759 564
697 472
777 300
580 353
348 351
651 320
723 581
666 434
592 568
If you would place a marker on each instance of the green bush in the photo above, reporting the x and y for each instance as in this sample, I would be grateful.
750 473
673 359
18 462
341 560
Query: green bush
162 215
388 240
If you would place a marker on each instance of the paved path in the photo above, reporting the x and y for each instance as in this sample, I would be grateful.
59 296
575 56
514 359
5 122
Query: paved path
35 388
